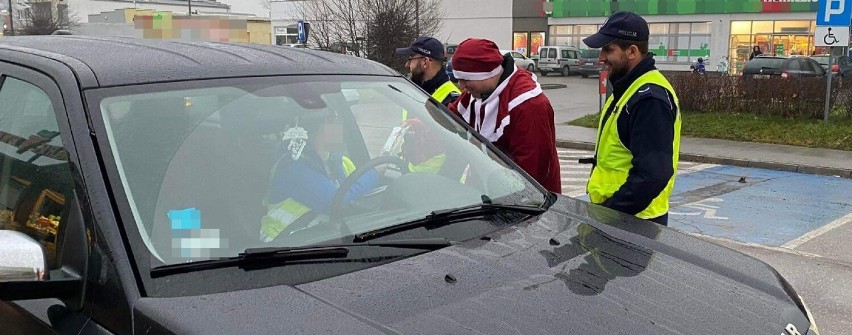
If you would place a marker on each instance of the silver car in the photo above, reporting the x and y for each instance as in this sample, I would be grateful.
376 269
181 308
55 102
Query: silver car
520 60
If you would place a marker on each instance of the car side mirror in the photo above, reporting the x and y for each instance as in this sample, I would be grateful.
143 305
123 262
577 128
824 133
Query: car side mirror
22 257
23 271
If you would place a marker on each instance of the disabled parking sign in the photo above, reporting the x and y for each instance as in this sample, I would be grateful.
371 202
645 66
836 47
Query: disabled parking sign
833 19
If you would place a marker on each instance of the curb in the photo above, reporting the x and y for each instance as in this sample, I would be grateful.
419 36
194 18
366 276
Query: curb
696 158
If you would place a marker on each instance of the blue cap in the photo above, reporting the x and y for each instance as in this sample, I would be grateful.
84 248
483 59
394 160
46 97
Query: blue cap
619 26
425 46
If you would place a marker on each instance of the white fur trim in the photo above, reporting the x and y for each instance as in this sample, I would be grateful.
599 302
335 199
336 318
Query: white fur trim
477 75
499 132
525 96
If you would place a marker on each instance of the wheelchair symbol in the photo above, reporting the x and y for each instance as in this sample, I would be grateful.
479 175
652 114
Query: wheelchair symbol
829 38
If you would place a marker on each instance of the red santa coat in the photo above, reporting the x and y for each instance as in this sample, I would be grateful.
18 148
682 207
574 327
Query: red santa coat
518 119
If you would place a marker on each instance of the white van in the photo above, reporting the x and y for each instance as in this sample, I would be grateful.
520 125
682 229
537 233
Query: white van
564 59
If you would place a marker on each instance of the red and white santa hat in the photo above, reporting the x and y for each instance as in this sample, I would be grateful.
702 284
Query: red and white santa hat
477 59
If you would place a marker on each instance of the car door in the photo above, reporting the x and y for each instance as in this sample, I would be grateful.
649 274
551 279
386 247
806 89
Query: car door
795 68
548 58
816 69
37 191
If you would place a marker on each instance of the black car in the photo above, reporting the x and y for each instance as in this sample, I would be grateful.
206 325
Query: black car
786 67
142 184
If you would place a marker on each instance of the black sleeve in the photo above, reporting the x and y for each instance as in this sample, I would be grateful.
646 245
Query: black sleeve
649 135
450 98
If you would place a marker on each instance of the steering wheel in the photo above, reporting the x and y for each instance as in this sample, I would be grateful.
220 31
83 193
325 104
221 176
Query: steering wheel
337 203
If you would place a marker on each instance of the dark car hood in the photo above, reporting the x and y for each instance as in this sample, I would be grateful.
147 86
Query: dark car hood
577 268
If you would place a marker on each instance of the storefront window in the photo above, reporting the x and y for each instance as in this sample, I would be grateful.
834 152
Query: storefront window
527 43
679 42
701 28
781 38
520 42
536 42
759 27
571 34
564 30
741 28
586 29
792 27
658 28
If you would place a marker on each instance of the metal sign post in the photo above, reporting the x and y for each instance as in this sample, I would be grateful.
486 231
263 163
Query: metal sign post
833 20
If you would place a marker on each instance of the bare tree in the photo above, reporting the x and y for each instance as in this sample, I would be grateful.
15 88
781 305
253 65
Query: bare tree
267 4
383 24
41 19
393 24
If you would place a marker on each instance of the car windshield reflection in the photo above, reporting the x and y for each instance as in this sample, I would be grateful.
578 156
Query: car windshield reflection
212 170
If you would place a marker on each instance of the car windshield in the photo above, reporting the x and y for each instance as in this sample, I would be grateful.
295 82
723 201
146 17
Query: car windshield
212 168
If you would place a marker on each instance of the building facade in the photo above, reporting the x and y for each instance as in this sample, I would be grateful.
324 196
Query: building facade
512 24
684 30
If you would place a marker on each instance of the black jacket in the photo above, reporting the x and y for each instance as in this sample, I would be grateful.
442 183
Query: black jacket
431 85
646 128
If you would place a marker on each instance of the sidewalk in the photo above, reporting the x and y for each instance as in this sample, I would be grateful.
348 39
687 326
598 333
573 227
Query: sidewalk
758 155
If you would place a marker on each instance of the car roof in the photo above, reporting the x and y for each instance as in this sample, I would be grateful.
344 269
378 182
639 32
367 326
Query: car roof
118 61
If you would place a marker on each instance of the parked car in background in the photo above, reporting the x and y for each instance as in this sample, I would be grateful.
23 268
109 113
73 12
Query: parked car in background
840 65
589 64
520 60
780 66
563 59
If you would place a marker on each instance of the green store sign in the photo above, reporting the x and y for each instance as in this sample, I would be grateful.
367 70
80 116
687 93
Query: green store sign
595 8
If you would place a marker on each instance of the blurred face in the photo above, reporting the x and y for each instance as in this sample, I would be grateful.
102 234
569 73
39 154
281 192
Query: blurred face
329 137
417 66
478 87
618 60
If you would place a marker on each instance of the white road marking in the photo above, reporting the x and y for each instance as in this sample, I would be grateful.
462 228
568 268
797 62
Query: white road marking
817 232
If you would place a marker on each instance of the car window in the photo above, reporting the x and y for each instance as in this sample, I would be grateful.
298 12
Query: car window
796 65
517 55
211 170
35 178
591 54
551 53
755 65
565 54
817 68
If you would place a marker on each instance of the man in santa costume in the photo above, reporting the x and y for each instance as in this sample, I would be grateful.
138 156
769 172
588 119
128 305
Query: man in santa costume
506 105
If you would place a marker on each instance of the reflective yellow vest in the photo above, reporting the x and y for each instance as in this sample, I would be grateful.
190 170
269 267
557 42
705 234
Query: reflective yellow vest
284 213
614 159
440 94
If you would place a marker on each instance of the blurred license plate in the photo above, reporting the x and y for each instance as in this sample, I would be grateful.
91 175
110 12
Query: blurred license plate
590 63
761 76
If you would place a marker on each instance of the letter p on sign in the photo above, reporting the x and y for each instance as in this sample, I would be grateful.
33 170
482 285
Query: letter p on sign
831 10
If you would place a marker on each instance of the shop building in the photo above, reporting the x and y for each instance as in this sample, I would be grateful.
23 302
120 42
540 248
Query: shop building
684 30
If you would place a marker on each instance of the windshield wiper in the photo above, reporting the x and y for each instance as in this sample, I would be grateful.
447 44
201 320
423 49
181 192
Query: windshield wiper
445 216
256 258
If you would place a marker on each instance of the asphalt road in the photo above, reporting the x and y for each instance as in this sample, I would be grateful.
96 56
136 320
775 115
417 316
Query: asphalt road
799 224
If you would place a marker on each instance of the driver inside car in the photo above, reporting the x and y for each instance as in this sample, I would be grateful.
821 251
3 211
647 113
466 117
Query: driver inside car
307 176
415 143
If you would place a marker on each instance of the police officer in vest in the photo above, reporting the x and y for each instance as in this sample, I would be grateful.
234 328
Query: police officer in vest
638 138
426 64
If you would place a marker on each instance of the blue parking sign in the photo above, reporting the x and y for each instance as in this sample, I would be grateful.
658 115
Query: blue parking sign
302 36
834 13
